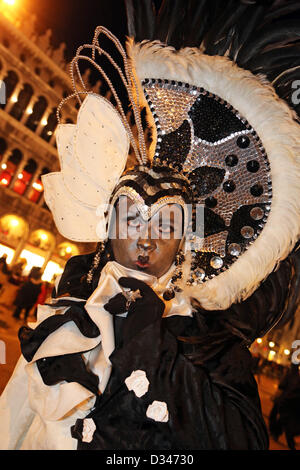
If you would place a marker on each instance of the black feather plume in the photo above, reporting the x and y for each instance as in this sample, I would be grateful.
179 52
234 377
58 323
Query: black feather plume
262 36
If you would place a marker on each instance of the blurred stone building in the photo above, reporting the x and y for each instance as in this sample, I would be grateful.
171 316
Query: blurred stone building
34 79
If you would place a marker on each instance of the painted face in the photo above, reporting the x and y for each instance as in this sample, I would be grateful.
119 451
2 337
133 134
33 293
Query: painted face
149 246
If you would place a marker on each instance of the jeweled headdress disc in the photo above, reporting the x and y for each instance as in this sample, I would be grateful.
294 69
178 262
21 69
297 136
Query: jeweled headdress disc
202 136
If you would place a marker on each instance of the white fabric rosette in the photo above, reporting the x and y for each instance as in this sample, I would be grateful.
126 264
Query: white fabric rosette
138 383
89 428
158 411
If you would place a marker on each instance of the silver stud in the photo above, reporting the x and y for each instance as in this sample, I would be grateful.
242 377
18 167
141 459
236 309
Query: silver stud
247 231
216 262
257 213
199 274
234 249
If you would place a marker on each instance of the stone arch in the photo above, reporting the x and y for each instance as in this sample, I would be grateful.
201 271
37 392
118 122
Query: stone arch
50 127
24 98
38 110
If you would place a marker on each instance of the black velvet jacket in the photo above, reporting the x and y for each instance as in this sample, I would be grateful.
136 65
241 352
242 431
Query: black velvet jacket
200 367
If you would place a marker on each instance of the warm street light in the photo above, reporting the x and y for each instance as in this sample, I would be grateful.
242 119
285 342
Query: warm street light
259 340
286 352
38 187
271 355
10 2
271 344
14 222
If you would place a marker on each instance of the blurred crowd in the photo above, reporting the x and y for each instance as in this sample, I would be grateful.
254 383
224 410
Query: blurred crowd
284 417
22 293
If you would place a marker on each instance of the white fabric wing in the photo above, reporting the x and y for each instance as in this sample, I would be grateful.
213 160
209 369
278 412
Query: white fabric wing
93 155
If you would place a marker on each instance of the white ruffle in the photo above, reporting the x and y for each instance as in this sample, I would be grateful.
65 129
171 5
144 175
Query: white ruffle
36 416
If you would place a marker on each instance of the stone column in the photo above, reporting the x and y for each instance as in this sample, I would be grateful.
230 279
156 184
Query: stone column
41 126
16 92
34 177
5 156
26 114
19 170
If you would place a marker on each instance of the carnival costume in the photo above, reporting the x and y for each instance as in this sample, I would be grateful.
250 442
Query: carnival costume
170 368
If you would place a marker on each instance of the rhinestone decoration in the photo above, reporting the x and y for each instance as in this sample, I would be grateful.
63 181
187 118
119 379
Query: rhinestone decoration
175 146
253 166
231 160
216 262
199 274
167 100
234 249
211 202
247 231
243 141
257 190
206 139
206 179
215 242
257 213
213 122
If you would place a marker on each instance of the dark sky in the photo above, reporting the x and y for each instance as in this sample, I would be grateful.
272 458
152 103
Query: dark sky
74 21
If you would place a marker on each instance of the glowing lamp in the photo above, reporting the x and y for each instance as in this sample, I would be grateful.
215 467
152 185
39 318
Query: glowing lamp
38 187
259 340
287 352
271 344
271 355
14 222
3 166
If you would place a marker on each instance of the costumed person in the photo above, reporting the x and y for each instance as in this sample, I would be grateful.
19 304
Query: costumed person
145 345
4 271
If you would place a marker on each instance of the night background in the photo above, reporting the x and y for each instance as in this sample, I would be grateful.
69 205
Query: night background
36 75
74 21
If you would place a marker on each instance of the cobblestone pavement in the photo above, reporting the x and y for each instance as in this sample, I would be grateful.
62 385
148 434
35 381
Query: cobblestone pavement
8 334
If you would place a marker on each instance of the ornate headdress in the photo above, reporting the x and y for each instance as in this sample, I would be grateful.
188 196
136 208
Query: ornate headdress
218 125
